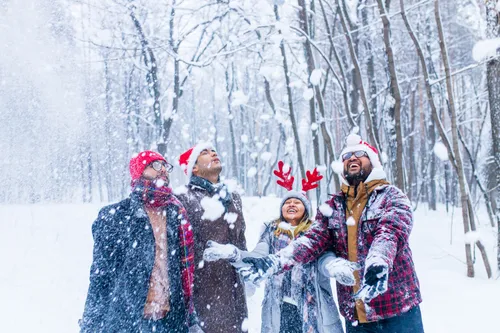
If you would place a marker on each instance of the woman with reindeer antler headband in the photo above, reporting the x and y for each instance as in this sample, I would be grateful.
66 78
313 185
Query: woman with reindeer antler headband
299 300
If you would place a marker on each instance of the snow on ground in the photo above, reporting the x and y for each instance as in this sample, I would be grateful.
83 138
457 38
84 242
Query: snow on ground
46 252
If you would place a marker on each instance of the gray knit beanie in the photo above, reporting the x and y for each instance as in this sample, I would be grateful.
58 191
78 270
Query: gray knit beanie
301 196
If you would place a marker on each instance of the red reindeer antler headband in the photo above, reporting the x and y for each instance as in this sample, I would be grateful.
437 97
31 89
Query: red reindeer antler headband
286 180
312 180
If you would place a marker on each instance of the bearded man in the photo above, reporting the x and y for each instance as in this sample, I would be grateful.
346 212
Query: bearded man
368 223
142 270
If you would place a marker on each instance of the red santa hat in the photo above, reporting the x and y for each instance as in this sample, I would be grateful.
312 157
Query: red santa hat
140 161
354 143
188 159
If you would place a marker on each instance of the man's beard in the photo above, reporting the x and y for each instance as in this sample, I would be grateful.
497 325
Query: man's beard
357 177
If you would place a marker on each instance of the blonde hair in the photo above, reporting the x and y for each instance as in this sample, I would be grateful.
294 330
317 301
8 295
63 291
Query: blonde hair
303 226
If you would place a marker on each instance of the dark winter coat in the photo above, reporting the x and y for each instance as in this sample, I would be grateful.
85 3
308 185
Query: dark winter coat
218 291
384 229
124 254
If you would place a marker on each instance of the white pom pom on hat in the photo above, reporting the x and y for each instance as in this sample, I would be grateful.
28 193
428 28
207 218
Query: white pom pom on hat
353 140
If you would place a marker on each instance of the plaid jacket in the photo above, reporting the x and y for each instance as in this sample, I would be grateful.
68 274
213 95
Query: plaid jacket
383 232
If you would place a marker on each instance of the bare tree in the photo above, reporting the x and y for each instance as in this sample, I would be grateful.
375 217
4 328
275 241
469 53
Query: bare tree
290 102
368 114
395 129
152 79
493 83
467 213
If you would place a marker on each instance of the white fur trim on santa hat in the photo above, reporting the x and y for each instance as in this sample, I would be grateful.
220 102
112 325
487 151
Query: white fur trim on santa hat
354 143
194 156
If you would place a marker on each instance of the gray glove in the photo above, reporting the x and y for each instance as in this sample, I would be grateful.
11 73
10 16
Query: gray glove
375 282
341 270
216 251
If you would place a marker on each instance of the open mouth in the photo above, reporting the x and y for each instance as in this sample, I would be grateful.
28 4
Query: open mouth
292 211
354 166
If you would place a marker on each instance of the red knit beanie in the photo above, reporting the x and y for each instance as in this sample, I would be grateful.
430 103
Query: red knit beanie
141 161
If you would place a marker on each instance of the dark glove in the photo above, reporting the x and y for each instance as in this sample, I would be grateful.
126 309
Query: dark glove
373 274
375 282
259 268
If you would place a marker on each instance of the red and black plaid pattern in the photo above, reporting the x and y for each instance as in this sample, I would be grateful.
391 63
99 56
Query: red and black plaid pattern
384 230
186 240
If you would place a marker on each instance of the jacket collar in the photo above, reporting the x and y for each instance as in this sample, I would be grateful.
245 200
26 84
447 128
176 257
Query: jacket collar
219 189
337 199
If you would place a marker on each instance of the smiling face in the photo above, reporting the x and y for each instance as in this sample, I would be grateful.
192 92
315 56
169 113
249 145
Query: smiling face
357 169
293 211
208 165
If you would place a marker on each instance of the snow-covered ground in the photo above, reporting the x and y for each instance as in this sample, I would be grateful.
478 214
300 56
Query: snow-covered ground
46 250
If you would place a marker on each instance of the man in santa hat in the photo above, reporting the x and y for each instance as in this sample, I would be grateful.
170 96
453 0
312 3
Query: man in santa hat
215 214
369 223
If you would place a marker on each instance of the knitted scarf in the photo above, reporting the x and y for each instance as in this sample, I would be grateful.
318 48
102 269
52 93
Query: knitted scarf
219 189
145 191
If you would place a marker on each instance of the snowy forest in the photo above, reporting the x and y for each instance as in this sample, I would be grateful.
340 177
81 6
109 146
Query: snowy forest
85 84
